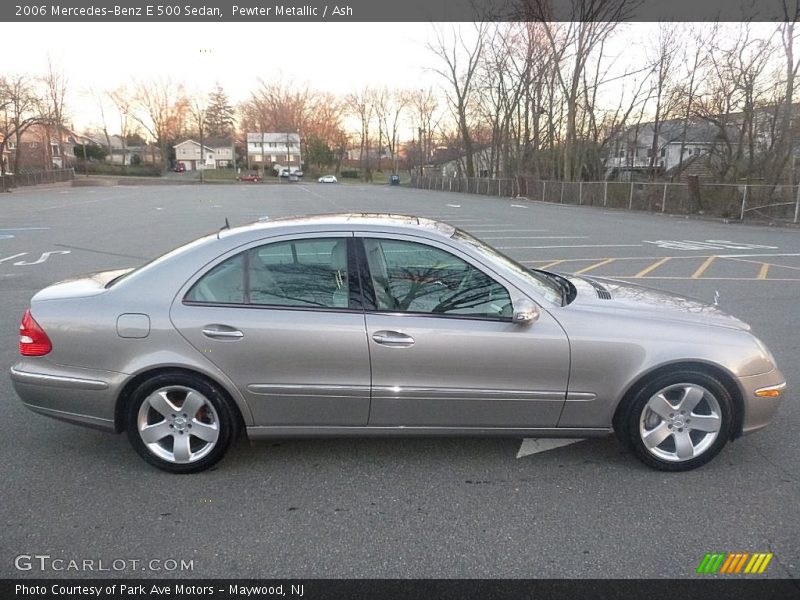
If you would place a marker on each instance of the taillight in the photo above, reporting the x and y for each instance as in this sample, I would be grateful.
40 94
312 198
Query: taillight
33 341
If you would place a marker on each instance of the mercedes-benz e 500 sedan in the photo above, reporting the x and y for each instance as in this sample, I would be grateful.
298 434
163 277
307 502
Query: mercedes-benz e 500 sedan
384 325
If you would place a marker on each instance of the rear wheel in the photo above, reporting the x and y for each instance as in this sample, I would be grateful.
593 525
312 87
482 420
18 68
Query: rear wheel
678 421
180 422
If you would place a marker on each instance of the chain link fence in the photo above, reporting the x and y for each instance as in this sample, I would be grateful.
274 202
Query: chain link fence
35 178
729 201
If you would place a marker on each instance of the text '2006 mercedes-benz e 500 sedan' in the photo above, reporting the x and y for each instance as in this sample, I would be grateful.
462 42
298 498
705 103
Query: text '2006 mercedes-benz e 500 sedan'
363 324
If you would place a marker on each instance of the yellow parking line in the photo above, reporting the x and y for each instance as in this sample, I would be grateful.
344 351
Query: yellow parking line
594 266
762 273
652 267
552 264
703 267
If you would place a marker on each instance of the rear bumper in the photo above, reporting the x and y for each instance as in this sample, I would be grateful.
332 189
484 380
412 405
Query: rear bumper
85 397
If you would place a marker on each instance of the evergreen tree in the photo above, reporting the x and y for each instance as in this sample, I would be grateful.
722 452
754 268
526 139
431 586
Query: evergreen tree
219 114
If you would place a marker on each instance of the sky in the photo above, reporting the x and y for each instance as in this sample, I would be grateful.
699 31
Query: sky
335 57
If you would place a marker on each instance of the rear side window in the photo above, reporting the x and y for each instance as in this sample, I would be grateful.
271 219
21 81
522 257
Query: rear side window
224 284
304 273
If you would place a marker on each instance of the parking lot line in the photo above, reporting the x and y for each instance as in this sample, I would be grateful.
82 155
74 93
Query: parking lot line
595 266
702 268
552 264
652 267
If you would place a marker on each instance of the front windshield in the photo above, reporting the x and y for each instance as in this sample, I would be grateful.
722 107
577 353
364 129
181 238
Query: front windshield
544 286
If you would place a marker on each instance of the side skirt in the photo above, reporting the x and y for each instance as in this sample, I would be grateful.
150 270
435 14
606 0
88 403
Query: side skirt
308 432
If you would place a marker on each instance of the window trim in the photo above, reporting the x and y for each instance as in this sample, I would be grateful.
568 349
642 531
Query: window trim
370 295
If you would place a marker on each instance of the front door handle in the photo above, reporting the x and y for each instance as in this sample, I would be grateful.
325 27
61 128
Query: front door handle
222 332
393 339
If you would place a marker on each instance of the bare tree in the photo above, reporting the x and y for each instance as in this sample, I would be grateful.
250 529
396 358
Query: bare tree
53 110
424 105
124 103
461 61
361 106
160 107
662 92
20 106
737 90
785 149
591 23
694 63
389 110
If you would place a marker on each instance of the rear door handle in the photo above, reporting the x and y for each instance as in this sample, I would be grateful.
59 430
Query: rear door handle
222 332
393 339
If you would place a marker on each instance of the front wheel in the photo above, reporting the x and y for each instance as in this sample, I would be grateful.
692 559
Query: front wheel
678 421
180 423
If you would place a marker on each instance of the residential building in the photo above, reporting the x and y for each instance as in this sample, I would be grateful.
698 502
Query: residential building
224 151
632 151
194 156
40 147
274 150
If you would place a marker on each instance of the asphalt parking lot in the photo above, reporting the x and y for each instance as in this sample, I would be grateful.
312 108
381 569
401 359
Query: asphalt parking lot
397 507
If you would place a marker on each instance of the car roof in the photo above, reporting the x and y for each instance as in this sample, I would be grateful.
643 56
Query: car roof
345 221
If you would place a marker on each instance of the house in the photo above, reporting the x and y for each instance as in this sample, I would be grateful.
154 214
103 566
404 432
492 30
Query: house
224 151
194 156
451 162
275 150
632 151
45 146
120 153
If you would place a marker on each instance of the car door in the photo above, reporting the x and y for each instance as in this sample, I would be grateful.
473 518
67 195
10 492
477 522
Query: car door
444 350
283 321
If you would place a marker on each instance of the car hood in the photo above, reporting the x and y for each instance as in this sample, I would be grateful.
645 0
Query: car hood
619 296
79 287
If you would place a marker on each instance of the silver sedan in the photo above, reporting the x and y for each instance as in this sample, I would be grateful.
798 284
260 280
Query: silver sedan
384 325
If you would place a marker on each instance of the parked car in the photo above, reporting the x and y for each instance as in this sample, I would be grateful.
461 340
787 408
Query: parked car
328 179
293 177
384 325
253 177
394 179
179 167
291 171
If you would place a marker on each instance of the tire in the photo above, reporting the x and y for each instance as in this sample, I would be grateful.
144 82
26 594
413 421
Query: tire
677 421
175 436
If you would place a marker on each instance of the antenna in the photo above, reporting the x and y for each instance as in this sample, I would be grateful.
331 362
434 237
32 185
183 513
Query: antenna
226 226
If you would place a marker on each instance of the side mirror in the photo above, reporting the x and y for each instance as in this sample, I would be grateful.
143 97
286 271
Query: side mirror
525 312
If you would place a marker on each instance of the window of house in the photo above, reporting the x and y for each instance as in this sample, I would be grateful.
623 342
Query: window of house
663 152
413 277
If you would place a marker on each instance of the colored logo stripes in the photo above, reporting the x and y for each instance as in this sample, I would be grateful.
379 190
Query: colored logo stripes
734 563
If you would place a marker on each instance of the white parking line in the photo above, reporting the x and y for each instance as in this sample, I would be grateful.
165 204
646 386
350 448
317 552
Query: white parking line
535 445
536 237
480 230
577 246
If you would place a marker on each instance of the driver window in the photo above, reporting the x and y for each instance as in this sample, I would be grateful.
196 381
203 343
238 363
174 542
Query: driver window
412 277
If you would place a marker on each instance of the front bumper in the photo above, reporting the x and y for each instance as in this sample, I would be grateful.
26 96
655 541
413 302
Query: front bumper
759 411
